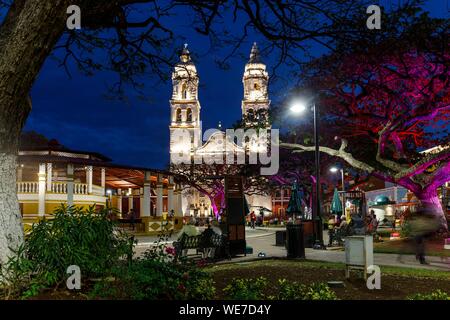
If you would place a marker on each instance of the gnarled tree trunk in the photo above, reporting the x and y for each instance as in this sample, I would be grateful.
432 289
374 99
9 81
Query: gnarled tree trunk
27 35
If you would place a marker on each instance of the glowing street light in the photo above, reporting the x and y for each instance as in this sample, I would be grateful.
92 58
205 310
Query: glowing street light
298 107
336 169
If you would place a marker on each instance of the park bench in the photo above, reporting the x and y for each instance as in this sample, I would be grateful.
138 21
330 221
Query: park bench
201 244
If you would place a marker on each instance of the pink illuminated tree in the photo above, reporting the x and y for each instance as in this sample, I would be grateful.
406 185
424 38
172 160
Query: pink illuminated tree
390 107
208 180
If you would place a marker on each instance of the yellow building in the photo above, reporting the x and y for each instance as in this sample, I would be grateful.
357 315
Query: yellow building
50 176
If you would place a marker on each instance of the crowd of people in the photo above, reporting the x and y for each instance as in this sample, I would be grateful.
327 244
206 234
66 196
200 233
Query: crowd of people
355 224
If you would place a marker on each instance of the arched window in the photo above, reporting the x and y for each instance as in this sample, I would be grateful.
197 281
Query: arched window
178 115
189 115
184 91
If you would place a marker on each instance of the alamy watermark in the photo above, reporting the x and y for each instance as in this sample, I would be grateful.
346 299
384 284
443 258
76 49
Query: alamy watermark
74 280
374 280
74 20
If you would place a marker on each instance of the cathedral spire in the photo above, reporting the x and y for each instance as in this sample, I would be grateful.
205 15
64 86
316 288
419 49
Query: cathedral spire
254 54
185 55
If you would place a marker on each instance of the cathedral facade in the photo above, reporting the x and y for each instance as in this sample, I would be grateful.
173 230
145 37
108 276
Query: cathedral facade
185 111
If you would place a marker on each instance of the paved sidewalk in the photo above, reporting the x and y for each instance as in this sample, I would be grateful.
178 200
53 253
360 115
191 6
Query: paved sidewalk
263 240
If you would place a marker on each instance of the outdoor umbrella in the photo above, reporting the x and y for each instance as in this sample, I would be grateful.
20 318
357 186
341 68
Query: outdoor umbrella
295 202
336 204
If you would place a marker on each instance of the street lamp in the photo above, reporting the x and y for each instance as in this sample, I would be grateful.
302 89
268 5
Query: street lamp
334 170
297 108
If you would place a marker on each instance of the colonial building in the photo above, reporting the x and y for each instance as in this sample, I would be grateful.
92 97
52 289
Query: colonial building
185 110
53 175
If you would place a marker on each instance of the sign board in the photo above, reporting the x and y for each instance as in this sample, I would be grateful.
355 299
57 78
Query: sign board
358 253
233 218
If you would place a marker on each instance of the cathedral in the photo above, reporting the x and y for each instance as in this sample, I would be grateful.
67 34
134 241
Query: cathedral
185 110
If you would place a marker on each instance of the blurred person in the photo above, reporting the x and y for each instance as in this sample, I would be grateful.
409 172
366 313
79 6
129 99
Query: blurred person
423 225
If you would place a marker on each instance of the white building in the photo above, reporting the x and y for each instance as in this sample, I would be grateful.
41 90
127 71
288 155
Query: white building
186 116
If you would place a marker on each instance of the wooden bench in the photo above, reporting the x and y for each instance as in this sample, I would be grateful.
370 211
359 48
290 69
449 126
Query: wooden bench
201 243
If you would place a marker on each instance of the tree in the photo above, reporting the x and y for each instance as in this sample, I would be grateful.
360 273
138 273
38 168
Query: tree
133 40
387 104
208 179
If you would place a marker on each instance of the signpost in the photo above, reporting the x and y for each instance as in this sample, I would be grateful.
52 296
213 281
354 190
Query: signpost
233 218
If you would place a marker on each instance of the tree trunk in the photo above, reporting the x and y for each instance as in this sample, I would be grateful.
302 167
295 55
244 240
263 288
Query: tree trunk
28 33
11 232
430 199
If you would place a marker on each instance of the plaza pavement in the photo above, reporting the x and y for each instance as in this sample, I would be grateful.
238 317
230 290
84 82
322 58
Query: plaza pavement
263 240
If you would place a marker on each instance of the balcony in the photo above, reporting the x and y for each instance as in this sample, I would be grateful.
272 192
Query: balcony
29 191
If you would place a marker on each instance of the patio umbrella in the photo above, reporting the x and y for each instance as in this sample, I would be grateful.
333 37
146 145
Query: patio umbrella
336 204
295 202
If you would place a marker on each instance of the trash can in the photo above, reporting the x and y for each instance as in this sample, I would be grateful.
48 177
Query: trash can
294 241
280 238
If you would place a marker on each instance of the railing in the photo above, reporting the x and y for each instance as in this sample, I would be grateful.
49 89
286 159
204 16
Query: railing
27 187
58 188
80 188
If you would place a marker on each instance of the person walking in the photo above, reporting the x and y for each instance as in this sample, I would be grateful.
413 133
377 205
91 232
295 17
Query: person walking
331 222
423 225
252 219
132 217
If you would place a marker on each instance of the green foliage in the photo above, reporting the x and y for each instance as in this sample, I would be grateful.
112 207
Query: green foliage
246 289
435 295
156 276
296 291
256 289
75 236
290 290
21 277
319 291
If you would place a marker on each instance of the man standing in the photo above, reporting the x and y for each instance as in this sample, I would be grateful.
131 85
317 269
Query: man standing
252 219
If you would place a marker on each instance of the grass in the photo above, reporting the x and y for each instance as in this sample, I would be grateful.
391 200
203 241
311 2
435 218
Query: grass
295 264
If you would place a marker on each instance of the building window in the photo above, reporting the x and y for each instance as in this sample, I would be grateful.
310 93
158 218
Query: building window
178 115
189 115
184 91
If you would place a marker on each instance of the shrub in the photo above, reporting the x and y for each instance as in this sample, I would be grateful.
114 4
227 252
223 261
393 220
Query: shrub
246 289
75 236
290 290
319 291
296 291
156 275
435 295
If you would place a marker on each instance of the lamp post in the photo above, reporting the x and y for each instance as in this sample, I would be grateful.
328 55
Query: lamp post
334 170
317 214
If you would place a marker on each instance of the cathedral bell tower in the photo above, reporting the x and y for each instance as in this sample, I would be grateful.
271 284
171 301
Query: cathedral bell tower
184 106
255 105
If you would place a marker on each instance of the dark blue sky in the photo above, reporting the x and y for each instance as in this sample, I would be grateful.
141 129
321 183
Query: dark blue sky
75 112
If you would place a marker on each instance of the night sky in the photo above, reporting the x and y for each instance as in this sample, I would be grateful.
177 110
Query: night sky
76 113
